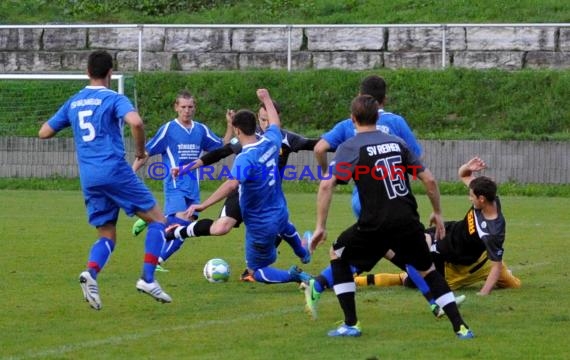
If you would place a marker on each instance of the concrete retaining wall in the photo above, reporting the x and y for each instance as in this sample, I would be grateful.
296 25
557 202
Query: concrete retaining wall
520 161
179 48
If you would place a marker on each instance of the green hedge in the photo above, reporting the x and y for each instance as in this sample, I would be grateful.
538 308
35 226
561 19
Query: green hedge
443 104
450 104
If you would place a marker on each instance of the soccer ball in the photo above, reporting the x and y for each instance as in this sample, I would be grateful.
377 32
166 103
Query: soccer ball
217 271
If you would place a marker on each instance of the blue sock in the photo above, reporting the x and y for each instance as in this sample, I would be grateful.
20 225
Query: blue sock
99 254
420 283
291 236
170 247
328 275
173 219
152 247
270 275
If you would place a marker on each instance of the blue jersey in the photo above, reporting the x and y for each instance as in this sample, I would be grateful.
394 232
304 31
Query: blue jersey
180 146
261 198
95 115
387 122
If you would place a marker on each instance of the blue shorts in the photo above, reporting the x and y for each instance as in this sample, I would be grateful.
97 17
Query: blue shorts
178 201
125 191
260 249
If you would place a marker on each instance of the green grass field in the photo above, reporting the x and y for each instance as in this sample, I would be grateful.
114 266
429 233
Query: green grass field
45 240
282 11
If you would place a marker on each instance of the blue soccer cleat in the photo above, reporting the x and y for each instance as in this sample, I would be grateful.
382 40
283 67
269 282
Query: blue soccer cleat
346 330
299 275
464 333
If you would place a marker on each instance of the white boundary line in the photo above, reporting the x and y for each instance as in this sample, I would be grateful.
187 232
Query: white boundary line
117 340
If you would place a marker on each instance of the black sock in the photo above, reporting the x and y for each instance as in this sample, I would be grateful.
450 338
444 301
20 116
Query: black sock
197 228
342 275
397 260
439 288
202 227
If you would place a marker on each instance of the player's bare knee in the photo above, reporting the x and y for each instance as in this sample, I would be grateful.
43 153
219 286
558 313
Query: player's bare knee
221 227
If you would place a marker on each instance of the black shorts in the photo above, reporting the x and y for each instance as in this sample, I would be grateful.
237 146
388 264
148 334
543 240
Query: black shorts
231 208
446 250
431 231
363 249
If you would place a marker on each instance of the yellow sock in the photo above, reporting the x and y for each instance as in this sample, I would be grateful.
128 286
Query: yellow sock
382 279
360 280
507 279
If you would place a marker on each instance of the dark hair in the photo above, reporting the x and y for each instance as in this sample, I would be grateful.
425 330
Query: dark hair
484 186
99 63
275 104
365 109
245 120
374 86
183 94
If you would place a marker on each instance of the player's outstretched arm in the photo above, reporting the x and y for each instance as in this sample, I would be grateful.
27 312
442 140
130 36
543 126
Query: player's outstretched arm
214 156
46 131
432 192
321 149
221 193
185 169
465 171
272 115
229 128
324 197
492 278
137 129
139 162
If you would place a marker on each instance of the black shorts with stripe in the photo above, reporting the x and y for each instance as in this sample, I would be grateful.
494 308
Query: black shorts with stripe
232 209
363 249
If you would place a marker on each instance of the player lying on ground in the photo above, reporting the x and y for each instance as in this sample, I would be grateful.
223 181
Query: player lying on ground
472 249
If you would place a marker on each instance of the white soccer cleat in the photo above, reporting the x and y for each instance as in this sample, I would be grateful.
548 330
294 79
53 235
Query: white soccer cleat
153 289
90 290
438 312
460 299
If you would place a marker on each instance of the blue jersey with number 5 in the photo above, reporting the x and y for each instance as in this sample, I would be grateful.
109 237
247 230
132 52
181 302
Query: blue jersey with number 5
95 115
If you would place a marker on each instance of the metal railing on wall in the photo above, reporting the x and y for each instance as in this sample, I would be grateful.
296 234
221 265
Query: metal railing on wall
141 27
